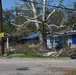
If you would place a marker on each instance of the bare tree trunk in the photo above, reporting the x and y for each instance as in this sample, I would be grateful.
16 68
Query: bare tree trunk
37 24
43 24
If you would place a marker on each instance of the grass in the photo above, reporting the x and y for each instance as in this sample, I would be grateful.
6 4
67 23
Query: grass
18 53
71 72
28 54
74 73
66 71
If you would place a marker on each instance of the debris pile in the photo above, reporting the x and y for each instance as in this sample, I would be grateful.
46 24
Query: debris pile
53 53
68 51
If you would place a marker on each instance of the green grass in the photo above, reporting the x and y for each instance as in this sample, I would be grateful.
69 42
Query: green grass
74 73
28 54
19 53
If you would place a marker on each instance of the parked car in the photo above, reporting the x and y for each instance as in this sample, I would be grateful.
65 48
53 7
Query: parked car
73 56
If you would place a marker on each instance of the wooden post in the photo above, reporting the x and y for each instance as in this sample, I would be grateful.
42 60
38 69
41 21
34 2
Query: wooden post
1 30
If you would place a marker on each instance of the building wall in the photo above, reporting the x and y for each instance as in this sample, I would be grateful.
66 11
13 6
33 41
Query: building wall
57 41
63 40
69 41
52 41
49 44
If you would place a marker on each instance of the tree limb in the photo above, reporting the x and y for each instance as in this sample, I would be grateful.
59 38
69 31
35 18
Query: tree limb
54 10
30 19
49 26
20 25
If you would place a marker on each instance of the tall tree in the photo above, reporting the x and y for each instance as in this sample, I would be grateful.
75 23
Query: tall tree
36 17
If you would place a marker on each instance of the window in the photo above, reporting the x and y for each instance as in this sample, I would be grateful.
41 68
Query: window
57 39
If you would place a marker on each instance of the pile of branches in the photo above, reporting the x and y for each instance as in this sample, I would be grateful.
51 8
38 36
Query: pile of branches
26 47
68 51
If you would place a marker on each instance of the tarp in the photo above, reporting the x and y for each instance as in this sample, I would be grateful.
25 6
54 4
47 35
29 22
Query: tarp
33 36
74 39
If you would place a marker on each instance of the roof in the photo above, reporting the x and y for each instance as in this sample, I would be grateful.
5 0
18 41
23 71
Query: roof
57 34
33 36
71 31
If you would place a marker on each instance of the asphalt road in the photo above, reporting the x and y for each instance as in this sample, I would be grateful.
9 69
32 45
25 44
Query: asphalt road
35 66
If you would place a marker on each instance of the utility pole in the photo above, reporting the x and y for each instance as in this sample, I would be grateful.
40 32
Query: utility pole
1 30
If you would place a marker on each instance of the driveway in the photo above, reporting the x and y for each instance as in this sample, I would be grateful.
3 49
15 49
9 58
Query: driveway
36 66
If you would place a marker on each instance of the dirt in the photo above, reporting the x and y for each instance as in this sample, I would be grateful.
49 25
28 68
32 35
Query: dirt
63 70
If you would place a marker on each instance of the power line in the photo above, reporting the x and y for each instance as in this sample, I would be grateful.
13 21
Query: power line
62 6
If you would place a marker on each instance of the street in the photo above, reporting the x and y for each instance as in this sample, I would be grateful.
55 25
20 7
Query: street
36 66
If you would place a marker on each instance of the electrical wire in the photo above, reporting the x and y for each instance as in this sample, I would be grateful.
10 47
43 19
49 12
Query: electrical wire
62 6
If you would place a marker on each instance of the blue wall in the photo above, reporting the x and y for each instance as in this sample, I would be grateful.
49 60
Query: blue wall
74 39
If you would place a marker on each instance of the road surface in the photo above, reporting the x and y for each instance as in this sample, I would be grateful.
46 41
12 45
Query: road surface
36 66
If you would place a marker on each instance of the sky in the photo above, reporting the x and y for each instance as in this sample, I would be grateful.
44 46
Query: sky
8 4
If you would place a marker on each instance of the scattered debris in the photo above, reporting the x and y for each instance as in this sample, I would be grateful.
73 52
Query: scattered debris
12 49
53 53
49 54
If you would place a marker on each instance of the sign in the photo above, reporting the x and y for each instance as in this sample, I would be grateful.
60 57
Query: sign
1 34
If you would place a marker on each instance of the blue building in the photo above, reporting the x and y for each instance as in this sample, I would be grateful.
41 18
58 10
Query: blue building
62 39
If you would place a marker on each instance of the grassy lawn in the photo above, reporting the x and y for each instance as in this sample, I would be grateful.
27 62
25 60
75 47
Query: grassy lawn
74 73
29 54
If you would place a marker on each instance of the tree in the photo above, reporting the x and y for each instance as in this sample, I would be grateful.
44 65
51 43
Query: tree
8 16
44 16
35 18
71 18
74 5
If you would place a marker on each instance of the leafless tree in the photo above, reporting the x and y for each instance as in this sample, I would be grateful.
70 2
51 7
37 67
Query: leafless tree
40 22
